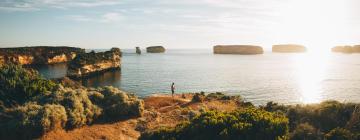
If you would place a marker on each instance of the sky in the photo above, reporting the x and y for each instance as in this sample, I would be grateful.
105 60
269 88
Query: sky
177 24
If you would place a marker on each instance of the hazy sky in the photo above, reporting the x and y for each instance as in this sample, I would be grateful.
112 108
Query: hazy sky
317 24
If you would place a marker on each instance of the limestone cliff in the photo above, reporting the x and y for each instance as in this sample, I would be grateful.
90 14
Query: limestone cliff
238 49
347 49
155 49
38 54
88 64
288 48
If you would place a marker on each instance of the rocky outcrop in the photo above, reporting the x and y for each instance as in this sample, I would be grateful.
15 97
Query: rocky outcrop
138 51
288 48
38 54
88 64
155 49
238 49
347 49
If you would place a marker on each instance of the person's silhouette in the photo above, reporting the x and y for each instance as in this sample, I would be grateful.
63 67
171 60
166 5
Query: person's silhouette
172 89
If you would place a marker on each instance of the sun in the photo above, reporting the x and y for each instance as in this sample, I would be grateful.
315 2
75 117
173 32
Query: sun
319 23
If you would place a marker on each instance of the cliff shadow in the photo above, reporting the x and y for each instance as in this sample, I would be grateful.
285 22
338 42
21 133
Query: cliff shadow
106 78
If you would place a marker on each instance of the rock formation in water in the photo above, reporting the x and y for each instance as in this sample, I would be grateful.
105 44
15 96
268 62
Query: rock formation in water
288 48
155 49
238 49
138 51
346 49
38 54
87 64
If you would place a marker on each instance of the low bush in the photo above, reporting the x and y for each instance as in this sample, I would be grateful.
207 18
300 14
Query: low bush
247 124
19 85
339 134
198 97
117 104
305 131
32 120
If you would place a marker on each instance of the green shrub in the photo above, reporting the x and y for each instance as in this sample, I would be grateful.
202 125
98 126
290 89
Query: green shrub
198 97
31 106
248 124
18 85
32 120
339 134
305 131
79 108
117 104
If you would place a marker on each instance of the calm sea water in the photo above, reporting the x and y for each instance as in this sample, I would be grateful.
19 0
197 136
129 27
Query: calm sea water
279 77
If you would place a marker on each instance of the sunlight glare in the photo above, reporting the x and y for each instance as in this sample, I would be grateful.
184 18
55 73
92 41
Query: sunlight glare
311 69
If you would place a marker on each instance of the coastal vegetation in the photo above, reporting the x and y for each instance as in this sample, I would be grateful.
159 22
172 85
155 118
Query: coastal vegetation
31 106
245 124
329 120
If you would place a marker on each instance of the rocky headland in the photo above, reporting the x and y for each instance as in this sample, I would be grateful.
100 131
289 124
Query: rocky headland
155 49
238 49
288 48
39 55
87 64
347 49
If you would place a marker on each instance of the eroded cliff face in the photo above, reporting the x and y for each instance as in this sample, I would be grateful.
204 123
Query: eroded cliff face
87 64
347 49
288 48
39 54
238 49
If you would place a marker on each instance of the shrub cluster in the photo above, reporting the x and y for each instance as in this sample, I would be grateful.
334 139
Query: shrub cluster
117 104
19 85
32 120
31 106
247 124
320 121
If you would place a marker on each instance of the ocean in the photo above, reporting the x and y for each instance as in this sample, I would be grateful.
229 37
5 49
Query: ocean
287 78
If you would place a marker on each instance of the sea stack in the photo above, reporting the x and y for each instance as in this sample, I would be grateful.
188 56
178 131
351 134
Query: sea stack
288 48
87 64
346 49
155 49
238 49
39 55
138 51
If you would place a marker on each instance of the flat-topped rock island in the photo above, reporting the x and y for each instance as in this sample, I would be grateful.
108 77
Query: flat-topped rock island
155 49
346 49
87 64
39 54
238 49
288 48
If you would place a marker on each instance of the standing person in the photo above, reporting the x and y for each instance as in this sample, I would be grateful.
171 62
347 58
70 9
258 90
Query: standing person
172 89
